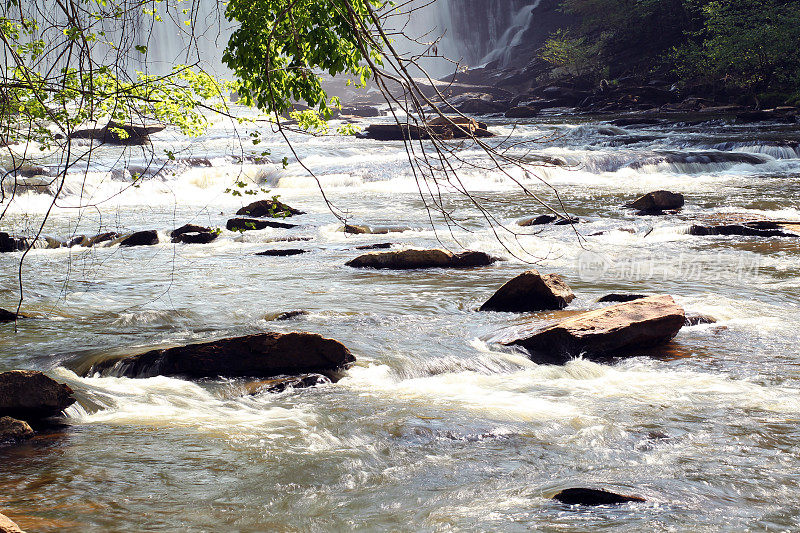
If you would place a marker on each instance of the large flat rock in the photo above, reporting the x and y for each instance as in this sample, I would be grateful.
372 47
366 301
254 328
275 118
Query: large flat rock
415 259
30 395
260 356
601 333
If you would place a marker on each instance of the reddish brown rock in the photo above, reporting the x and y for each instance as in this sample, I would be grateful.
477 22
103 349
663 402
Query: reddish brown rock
8 526
30 395
414 259
598 334
13 430
530 291
263 355
657 201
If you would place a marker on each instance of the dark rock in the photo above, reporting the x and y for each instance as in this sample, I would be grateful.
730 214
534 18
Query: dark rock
378 246
7 316
189 228
246 224
269 208
696 320
483 133
361 111
136 135
530 291
103 237
282 253
140 238
746 230
13 430
522 111
203 237
621 297
400 132
353 229
264 355
636 121
290 315
658 201
538 220
580 496
281 384
479 106
12 244
413 259
601 333
30 395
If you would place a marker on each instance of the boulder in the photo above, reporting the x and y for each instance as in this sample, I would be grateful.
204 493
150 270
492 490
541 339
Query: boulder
246 224
101 238
8 526
8 316
354 229
601 333
269 208
282 253
479 106
378 246
264 355
12 244
697 320
541 220
413 259
134 135
140 238
581 496
288 315
400 132
361 111
522 111
188 228
530 291
196 237
657 201
461 126
30 395
13 430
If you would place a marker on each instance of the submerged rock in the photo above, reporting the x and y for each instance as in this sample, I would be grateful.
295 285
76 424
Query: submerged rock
413 259
616 297
601 333
541 220
30 395
581 496
697 320
8 526
657 201
747 229
263 355
530 291
281 384
141 238
288 315
13 430
269 208
247 224
372 230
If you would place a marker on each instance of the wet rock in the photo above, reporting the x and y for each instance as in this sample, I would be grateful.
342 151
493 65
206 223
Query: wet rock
269 208
30 395
547 219
601 333
196 237
414 259
354 229
522 111
378 246
289 315
281 384
617 297
530 291
264 355
13 430
479 106
247 224
12 244
657 201
636 121
8 316
581 496
361 111
282 253
696 320
101 238
8 526
141 238
399 132
188 228
134 135
748 229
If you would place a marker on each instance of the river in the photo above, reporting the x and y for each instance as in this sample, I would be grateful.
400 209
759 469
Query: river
434 429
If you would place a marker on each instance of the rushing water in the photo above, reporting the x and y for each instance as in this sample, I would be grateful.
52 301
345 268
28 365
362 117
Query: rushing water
434 429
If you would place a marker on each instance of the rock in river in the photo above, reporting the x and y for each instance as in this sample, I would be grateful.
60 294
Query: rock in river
268 208
412 259
140 238
8 526
530 291
8 316
601 333
13 430
264 355
31 395
657 201
581 496
246 224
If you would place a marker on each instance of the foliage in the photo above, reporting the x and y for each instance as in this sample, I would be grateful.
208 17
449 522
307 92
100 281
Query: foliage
574 54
